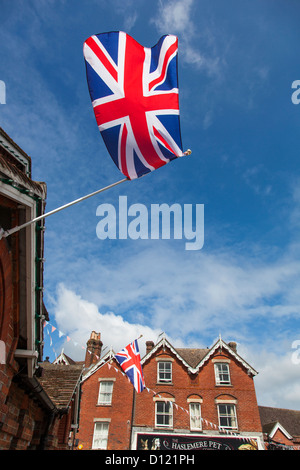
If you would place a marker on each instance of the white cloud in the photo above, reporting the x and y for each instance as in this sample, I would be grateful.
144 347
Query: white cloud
243 291
177 17
277 382
77 318
127 9
184 295
130 21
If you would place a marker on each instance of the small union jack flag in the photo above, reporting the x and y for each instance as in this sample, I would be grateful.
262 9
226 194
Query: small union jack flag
134 92
130 361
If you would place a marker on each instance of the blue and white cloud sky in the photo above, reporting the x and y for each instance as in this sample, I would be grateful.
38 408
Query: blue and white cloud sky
237 63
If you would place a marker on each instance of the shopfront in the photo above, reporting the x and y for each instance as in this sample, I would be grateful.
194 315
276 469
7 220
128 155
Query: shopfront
187 442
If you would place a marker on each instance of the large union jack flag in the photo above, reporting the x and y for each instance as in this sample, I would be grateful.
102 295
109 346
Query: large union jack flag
130 361
134 92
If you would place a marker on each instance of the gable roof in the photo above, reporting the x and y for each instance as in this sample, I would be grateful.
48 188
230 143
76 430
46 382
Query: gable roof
64 359
272 428
192 356
288 419
60 382
194 359
94 367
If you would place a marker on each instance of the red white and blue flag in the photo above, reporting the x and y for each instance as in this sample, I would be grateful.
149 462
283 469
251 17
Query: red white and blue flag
134 93
130 361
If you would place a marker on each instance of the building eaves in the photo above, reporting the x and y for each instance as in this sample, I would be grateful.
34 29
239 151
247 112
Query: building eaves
11 174
164 343
87 372
221 344
15 167
22 160
194 359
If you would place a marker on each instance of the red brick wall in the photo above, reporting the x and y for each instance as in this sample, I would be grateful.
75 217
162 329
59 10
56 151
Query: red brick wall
22 421
22 413
18 413
184 386
281 438
203 384
7 370
64 432
119 412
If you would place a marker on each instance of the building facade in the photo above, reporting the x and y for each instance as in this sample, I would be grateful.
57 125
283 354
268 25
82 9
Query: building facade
194 399
29 417
106 403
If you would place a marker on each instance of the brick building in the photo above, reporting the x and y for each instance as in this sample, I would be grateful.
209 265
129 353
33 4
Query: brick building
281 428
194 399
62 385
106 401
29 417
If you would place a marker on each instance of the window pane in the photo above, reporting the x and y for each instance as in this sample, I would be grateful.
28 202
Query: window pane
160 406
165 371
222 373
105 392
100 435
227 416
195 415
164 413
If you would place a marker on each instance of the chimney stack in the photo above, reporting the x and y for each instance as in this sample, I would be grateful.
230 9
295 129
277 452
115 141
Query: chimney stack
93 349
149 346
233 346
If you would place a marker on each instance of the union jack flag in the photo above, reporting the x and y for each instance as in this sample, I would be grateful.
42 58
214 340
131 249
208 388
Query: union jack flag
130 361
134 93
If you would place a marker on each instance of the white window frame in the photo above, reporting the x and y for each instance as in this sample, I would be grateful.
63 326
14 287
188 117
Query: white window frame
101 435
228 415
219 373
102 392
167 412
164 371
195 417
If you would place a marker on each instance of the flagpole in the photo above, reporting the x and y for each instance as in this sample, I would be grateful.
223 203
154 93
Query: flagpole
6 233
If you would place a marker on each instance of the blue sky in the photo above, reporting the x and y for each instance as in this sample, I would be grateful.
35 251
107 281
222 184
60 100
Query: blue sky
237 63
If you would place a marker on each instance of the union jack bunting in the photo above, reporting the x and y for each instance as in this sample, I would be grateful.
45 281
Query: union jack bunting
130 361
134 93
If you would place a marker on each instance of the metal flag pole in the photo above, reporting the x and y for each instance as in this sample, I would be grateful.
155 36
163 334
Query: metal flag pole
6 233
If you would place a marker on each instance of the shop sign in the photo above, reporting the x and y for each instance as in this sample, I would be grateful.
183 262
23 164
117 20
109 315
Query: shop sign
177 442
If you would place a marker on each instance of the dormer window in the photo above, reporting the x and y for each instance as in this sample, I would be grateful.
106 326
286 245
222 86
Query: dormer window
222 373
164 371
